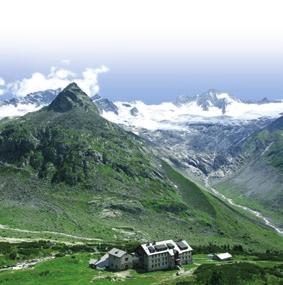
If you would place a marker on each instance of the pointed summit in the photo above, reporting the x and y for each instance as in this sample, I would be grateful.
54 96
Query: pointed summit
211 98
71 97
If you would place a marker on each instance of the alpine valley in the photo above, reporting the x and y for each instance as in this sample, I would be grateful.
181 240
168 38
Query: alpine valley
80 175
212 138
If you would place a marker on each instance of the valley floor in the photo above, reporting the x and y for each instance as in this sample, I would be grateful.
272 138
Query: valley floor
74 270
227 198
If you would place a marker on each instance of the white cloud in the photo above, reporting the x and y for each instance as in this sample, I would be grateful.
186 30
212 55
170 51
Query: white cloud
57 78
2 85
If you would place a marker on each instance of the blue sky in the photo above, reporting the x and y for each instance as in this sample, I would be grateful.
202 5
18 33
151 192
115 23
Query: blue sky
154 50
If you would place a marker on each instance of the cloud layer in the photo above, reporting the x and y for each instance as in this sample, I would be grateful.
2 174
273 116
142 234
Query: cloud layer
56 78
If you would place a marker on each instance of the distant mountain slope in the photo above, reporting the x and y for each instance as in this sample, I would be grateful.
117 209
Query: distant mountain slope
66 168
199 134
269 143
29 103
261 178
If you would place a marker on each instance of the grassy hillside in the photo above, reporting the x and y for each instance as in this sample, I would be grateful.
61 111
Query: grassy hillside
73 270
66 169
268 143
259 184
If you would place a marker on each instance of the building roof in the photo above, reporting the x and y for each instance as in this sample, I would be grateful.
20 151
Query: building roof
92 261
182 244
102 262
117 252
223 256
169 246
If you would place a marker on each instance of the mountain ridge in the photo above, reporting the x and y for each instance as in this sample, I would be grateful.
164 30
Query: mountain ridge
209 105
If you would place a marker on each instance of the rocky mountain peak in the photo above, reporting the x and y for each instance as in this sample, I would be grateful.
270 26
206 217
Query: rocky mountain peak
104 104
70 97
211 98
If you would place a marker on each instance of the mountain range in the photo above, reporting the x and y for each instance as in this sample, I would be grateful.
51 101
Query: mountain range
203 136
198 134
66 168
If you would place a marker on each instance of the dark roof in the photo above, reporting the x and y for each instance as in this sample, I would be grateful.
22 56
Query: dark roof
165 246
170 245
181 245
117 252
151 249
160 247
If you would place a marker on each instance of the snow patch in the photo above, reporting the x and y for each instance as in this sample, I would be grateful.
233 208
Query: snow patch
168 116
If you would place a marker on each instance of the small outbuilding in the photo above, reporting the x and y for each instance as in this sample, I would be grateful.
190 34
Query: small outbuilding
222 256
120 260
102 263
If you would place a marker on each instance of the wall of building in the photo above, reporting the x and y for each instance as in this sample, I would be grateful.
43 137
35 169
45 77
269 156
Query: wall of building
161 261
120 263
186 257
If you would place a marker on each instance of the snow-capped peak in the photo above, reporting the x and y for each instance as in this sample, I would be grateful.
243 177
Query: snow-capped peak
211 98
209 107
19 106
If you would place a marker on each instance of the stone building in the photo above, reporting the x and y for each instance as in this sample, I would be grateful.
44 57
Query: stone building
120 260
165 254
160 255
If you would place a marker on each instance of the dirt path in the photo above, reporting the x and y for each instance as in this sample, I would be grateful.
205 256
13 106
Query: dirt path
26 264
5 227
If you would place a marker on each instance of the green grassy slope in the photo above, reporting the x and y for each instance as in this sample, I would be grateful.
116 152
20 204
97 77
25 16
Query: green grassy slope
259 184
66 169
74 270
268 143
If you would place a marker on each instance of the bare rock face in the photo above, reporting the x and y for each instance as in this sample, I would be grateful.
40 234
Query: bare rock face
104 104
72 96
210 98
134 111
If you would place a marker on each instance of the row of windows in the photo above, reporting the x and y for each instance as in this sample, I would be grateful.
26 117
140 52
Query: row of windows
155 265
186 254
159 259
159 254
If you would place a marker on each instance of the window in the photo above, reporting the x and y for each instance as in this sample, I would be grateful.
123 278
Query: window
126 259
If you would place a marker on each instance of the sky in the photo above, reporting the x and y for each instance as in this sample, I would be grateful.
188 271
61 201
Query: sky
147 50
